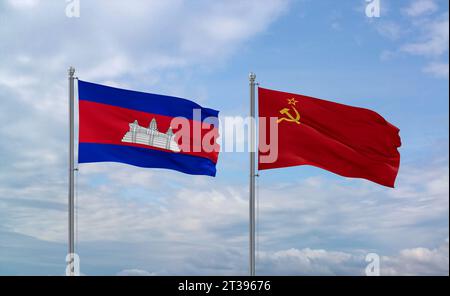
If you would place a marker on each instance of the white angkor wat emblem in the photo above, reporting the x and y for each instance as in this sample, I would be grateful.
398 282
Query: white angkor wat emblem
151 136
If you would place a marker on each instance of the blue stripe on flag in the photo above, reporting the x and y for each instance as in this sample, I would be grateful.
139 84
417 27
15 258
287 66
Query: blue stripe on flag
147 158
145 102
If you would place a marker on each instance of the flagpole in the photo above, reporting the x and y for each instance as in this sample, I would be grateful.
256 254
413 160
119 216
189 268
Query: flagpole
71 171
252 78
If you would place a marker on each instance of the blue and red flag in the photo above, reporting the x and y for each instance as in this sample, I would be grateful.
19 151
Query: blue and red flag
146 130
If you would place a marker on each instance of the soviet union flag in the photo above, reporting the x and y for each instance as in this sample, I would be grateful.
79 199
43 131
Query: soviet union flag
348 141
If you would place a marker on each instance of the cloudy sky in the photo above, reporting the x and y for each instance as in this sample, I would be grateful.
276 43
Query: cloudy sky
133 221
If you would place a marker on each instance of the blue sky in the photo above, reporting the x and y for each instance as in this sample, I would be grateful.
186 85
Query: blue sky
133 221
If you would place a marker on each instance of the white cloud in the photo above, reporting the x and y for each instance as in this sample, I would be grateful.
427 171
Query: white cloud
159 37
153 40
175 223
421 7
434 41
179 221
416 261
23 4
428 34
437 69
308 262
429 38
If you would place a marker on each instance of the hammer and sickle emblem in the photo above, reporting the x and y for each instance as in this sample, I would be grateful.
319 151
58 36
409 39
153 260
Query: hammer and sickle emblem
290 117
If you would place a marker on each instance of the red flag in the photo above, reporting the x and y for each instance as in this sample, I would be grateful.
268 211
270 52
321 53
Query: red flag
348 141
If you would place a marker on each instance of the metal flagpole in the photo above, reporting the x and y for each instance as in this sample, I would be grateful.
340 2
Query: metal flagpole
71 171
252 78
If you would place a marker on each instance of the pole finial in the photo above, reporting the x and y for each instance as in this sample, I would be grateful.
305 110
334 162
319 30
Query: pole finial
71 71
252 76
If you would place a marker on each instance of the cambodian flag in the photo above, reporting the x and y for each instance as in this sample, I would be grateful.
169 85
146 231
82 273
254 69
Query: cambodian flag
146 130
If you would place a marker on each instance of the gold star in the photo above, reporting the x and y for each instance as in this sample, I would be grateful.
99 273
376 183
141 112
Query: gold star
292 101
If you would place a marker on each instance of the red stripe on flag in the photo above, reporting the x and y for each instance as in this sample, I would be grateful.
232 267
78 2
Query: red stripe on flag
106 124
